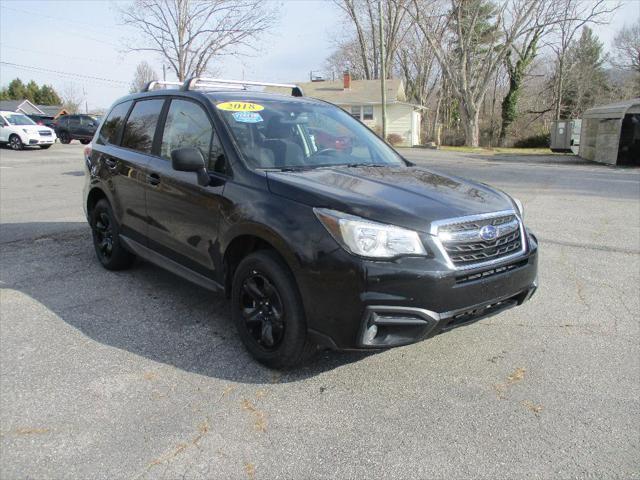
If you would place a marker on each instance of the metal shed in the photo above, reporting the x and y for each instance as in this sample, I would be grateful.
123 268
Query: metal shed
611 133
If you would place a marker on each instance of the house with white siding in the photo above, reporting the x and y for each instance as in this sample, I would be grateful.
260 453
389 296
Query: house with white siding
362 99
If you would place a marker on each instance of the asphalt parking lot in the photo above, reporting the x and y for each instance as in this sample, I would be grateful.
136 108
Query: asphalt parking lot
139 374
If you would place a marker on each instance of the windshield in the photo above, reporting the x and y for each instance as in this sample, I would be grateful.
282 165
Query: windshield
18 119
298 135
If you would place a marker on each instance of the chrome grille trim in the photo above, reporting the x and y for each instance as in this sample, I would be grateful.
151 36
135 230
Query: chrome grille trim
465 244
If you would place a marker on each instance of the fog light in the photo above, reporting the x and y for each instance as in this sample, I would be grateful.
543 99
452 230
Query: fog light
371 333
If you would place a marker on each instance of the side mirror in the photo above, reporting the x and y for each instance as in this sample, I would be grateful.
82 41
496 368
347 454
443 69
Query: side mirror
190 159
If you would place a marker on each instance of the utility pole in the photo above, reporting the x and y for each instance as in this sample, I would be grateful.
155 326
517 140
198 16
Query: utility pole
383 80
86 104
164 72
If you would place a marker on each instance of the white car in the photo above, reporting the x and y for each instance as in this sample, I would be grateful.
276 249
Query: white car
19 131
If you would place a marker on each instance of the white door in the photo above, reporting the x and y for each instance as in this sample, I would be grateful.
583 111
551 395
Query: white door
415 128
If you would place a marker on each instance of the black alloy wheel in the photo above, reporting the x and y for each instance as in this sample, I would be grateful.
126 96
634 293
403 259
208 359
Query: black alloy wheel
262 310
268 311
104 236
106 240
65 138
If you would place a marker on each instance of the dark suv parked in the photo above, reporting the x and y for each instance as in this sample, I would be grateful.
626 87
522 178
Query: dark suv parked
315 246
46 120
76 127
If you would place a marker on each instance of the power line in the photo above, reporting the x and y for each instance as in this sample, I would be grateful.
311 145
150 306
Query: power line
42 52
68 74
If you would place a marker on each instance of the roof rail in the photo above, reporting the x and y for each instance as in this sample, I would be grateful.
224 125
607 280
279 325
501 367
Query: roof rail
154 83
196 82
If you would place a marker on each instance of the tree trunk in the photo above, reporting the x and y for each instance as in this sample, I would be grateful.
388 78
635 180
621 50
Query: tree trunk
471 123
509 105
559 88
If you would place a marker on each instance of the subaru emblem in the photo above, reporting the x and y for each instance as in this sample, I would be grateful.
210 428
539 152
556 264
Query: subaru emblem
488 232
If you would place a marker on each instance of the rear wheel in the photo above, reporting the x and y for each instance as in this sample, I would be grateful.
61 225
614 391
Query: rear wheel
15 143
106 238
44 147
268 312
85 142
65 137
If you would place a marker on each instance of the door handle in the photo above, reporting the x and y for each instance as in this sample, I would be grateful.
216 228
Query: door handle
110 162
153 179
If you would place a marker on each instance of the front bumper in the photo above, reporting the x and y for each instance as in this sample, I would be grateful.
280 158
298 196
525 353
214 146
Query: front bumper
388 304
38 140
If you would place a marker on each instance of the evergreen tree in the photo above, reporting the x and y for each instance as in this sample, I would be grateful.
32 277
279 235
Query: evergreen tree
31 91
48 96
586 81
40 95
16 90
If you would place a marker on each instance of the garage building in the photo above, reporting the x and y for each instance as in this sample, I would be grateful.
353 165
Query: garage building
611 133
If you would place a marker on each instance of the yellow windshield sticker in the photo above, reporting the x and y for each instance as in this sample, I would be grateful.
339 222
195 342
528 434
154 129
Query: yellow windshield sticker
240 107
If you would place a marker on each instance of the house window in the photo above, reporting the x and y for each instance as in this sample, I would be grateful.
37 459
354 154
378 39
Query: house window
355 112
367 112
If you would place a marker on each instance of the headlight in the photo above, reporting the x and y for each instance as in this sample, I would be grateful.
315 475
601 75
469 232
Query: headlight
519 206
370 239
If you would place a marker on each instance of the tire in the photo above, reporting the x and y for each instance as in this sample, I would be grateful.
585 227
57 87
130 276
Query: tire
64 138
268 311
44 147
15 142
106 238
85 142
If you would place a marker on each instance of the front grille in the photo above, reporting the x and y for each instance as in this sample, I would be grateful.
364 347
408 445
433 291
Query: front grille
490 272
44 133
465 245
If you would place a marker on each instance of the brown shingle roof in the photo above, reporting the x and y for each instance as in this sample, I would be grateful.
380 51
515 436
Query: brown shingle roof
361 91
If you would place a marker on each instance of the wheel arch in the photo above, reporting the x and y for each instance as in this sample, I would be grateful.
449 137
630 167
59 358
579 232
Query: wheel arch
95 195
247 241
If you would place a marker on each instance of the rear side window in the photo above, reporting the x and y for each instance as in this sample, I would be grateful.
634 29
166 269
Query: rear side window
112 125
74 121
141 125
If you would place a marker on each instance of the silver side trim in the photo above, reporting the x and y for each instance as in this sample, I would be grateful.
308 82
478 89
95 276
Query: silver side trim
168 264
435 227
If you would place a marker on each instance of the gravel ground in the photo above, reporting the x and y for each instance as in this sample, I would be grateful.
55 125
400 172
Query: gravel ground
140 374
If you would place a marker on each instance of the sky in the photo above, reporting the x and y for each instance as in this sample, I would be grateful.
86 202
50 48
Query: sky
80 45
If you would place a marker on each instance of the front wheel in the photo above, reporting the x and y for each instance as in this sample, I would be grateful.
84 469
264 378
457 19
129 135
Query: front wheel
268 311
85 142
106 238
15 143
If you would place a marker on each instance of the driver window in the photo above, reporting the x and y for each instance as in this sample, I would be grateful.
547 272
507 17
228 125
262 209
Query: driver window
188 125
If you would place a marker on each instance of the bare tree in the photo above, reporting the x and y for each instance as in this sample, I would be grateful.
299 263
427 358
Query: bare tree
480 35
143 75
364 18
71 99
572 16
517 63
626 48
188 34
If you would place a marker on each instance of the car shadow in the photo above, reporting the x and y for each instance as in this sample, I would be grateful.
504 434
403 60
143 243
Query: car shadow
145 310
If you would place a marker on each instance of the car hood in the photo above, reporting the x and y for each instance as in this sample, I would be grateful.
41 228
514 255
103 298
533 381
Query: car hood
411 197
34 129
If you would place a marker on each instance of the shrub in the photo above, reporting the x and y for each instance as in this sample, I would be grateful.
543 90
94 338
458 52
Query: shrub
394 139
540 140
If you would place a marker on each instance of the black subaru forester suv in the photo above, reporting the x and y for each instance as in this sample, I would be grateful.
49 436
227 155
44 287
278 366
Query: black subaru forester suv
315 246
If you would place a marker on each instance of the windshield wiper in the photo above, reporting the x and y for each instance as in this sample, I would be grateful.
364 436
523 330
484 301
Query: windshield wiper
355 165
